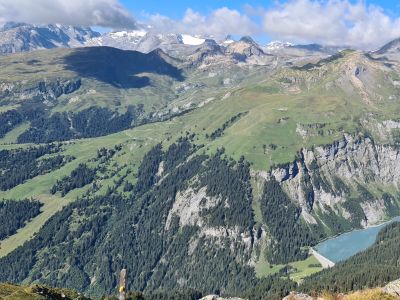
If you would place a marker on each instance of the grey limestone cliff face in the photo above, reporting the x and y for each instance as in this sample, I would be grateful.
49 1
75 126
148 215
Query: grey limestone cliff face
21 37
189 207
351 183
328 176
43 90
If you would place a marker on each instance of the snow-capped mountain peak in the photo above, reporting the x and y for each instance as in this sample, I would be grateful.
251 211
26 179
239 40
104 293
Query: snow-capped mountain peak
277 45
130 34
228 41
18 37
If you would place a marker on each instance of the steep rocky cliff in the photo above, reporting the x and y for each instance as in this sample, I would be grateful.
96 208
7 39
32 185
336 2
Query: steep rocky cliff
354 178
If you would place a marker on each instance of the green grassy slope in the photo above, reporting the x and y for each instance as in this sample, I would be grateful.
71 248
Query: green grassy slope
266 135
324 102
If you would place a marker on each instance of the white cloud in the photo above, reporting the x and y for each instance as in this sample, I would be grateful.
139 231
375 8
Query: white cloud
219 23
106 13
329 22
332 22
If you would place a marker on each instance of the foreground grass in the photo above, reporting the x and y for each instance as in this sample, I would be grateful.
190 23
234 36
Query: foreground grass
36 292
372 294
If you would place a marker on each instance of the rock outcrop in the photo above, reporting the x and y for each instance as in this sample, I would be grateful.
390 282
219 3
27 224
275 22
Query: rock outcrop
298 296
215 297
46 91
393 288
322 178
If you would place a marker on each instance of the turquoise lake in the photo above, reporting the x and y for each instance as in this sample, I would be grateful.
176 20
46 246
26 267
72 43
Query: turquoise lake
348 244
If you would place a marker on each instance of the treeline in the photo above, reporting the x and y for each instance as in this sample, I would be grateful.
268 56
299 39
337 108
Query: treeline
55 235
373 267
150 165
289 233
98 236
8 121
14 214
220 131
61 126
19 165
228 180
91 122
78 178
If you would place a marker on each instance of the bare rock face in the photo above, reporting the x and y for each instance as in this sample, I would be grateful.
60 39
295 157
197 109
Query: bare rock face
206 53
246 47
215 297
320 177
393 288
298 296
21 37
188 206
46 90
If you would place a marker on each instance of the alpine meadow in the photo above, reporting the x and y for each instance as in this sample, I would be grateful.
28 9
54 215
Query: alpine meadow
199 158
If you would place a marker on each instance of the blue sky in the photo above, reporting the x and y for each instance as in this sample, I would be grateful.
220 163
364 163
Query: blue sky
364 24
356 23
177 8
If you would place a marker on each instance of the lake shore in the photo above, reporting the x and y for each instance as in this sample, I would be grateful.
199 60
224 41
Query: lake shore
345 245
325 262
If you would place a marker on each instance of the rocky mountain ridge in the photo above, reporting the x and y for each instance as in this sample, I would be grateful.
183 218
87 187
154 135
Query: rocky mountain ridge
322 178
224 163
21 37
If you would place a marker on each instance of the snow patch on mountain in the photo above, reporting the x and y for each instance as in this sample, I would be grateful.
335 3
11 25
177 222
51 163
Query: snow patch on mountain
192 40
131 34
21 37
126 40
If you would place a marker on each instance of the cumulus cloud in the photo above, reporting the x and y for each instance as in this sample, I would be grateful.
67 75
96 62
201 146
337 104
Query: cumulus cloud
329 22
218 23
106 13
332 22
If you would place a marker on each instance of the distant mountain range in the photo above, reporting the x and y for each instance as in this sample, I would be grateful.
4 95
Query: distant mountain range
202 166
22 37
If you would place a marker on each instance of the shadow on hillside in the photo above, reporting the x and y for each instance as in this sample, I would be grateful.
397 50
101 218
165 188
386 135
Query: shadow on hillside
118 67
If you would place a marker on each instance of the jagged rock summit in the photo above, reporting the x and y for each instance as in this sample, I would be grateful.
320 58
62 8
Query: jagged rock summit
22 37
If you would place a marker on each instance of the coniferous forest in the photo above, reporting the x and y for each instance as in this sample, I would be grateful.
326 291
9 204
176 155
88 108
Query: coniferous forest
203 164
45 128
134 226
373 267
14 214
99 235
19 165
